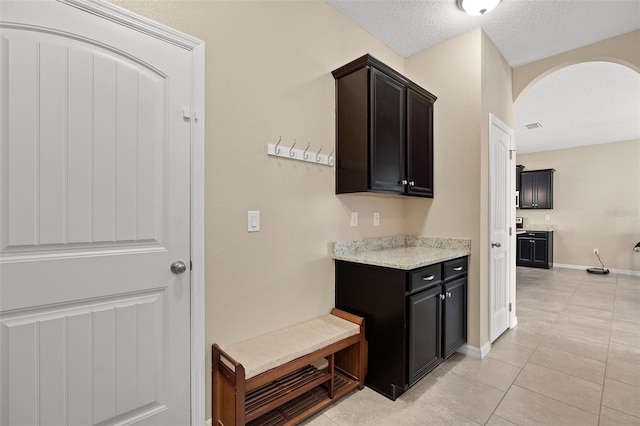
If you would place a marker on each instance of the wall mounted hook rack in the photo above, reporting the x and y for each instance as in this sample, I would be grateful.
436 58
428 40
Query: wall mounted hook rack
307 154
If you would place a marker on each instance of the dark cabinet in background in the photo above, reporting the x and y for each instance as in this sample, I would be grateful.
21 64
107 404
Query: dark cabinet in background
536 189
535 249
384 131
414 319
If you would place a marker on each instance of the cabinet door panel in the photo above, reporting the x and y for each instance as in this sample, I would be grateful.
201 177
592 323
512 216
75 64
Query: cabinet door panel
454 323
544 189
527 193
524 256
419 144
387 133
539 252
424 333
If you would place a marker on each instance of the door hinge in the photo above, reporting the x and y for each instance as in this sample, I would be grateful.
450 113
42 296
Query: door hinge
190 265
511 151
510 231
187 114
509 307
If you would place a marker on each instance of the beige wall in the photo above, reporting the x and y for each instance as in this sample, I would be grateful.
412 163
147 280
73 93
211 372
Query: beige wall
471 79
451 71
268 73
596 203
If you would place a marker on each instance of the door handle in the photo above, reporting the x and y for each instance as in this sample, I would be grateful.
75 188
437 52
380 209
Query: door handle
495 244
178 267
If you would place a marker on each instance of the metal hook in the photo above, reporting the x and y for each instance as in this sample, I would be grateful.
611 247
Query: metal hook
329 158
291 153
318 155
276 149
304 154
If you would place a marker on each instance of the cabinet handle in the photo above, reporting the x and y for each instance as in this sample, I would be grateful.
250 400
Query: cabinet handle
458 268
428 278
442 296
412 183
404 181
448 294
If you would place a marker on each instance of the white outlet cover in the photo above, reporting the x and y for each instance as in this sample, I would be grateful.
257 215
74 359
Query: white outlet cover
354 219
376 219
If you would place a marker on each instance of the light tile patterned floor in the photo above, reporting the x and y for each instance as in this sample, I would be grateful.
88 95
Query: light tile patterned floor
573 359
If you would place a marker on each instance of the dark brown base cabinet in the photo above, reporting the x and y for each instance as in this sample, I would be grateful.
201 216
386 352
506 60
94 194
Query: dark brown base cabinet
535 249
414 319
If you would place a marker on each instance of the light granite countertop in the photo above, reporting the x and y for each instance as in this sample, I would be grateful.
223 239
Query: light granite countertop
534 227
401 252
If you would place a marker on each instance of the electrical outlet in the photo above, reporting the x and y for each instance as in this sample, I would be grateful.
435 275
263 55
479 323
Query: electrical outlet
376 219
596 251
354 219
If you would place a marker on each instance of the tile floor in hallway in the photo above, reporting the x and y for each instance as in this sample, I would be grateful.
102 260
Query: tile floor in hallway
573 359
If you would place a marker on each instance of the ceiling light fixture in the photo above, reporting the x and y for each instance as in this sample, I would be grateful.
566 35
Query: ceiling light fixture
533 126
477 7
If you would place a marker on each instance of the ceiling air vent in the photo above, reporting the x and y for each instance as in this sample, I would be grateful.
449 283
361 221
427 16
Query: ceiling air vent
534 126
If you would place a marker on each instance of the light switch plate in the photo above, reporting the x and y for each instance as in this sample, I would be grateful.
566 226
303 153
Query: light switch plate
253 221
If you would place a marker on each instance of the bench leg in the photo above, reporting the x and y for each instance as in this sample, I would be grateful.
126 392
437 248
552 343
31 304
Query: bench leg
332 375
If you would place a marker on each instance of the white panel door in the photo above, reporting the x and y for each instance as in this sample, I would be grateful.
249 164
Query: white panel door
95 194
500 205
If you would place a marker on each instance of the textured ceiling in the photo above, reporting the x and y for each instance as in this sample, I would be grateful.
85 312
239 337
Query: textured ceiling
585 104
523 30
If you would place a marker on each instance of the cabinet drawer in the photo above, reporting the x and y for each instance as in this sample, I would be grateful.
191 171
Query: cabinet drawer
454 268
425 277
534 234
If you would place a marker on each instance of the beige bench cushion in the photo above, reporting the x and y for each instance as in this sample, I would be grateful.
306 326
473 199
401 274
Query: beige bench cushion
271 350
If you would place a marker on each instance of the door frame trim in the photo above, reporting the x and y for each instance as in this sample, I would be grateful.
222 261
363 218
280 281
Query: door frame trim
144 25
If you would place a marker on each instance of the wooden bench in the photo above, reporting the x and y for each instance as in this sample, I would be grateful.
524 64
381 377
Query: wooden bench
278 378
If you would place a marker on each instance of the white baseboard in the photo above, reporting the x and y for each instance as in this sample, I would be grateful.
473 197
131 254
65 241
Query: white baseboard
615 271
208 422
476 353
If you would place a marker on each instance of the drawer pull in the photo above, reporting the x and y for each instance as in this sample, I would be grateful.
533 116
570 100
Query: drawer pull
458 268
428 278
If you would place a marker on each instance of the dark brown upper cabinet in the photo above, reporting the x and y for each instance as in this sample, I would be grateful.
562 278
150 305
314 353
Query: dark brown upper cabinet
536 189
384 131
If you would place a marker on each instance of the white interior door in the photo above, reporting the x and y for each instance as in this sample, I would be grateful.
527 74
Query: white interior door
95 193
500 212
